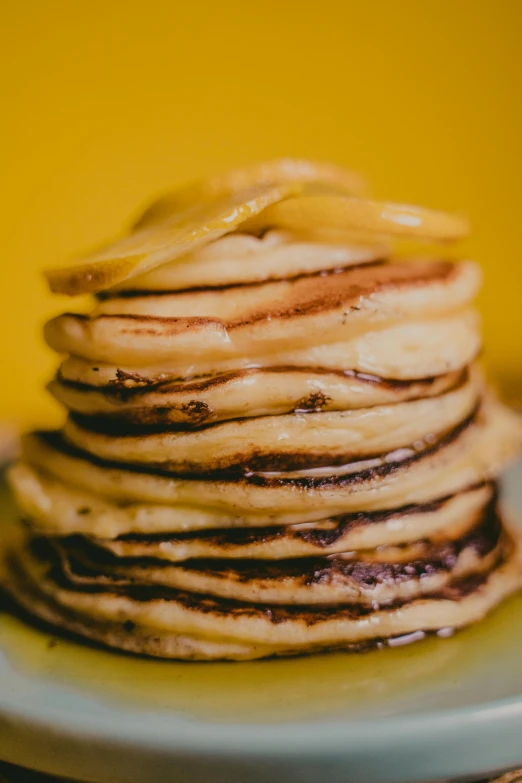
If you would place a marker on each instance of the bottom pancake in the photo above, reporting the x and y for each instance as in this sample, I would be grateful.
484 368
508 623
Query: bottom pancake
169 623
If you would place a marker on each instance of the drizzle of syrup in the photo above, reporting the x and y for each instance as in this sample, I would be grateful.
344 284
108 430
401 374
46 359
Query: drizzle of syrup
393 457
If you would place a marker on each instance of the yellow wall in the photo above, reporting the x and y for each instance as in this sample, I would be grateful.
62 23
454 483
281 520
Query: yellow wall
107 102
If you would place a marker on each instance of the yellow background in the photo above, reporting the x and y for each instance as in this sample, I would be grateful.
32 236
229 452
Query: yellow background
106 103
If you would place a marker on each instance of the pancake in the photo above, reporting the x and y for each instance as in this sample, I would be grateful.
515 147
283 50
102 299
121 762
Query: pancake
254 392
388 534
244 258
474 452
282 442
413 351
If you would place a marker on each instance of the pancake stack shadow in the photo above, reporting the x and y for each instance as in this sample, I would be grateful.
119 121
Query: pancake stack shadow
280 444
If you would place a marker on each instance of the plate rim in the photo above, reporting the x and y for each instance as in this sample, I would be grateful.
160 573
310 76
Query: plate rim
331 732
440 746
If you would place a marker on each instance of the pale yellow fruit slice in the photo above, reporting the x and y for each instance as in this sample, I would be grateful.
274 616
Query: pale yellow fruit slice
274 172
163 241
341 213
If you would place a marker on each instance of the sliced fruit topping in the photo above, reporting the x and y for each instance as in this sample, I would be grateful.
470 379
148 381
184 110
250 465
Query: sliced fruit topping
274 172
164 240
340 213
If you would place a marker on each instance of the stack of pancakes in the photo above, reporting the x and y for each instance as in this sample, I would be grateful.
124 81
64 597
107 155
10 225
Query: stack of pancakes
277 443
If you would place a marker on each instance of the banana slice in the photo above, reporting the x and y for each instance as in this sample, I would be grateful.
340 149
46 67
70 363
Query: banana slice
275 172
164 240
340 213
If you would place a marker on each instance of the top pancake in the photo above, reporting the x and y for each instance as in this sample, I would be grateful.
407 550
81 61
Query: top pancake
256 320
245 258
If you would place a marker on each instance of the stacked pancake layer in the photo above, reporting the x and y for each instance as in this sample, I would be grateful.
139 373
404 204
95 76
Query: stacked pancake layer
278 445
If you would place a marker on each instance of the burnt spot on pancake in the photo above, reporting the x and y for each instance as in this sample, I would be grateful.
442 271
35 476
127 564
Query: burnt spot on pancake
197 411
315 402
328 536
130 380
146 420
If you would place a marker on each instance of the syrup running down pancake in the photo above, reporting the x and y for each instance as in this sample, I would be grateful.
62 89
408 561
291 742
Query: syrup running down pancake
278 439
